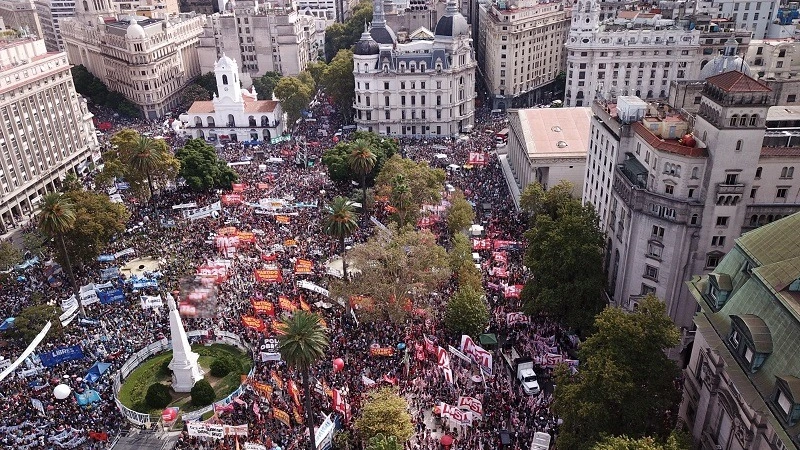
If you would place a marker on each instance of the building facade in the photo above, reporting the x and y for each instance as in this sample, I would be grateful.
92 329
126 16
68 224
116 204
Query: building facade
234 114
425 87
154 9
520 50
51 12
263 39
149 61
20 15
637 53
742 383
753 15
47 129
547 146
673 190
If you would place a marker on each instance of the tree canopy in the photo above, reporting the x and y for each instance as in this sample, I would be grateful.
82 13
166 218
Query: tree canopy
265 84
676 441
192 93
140 161
382 442
202 169
408 185
30 321
337 158
93 88
535 200
565 255
207 81
10 256
466 312
294 94
386 413
338 81
625 385
97 219
342 36
408 263
460 214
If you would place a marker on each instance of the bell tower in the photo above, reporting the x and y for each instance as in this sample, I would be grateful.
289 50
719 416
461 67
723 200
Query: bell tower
226 71
586 16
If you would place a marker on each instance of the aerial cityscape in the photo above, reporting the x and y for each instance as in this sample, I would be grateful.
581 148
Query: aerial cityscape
400 225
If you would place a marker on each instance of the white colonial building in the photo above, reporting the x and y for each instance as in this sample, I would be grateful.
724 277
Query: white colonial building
425 87
149 61
234 114
636 53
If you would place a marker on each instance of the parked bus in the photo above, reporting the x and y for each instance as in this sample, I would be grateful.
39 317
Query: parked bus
501 138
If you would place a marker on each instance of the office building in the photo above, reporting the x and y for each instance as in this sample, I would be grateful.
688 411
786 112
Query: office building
521 51
742 383
47 129
51 12
752 15
20 15
424 87
673 190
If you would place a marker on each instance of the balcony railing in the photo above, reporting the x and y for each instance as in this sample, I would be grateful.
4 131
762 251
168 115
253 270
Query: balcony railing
725 189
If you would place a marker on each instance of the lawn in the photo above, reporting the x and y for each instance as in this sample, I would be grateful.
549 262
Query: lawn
154 371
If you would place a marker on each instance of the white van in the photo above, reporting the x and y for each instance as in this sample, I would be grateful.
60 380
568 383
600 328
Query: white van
541 441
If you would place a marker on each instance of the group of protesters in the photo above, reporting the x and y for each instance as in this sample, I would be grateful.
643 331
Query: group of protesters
112 332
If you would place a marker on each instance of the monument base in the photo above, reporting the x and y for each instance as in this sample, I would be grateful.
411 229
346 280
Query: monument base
185 373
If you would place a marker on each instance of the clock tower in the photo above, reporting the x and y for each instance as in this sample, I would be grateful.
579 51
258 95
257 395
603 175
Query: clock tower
228 87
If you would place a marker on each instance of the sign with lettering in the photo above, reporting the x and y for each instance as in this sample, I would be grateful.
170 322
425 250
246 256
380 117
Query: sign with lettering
478 354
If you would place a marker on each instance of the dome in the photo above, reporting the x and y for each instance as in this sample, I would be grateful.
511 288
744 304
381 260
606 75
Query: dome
366 45
135 31
453 23
725 62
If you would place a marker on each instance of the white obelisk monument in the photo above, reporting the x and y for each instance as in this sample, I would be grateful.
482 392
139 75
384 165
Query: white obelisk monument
185 369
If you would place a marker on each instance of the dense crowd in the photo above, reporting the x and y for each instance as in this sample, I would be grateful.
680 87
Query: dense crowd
115 331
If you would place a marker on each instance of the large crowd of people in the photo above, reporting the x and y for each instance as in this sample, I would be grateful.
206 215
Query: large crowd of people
112 332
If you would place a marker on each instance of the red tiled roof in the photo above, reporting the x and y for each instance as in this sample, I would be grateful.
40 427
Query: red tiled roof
735 81
250 106
201 107
669 146
773 152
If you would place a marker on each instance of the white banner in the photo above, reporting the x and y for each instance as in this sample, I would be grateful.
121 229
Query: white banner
471 404
253 446
313 287
205 211
69 303
461 355
200 429
185 205
152 301
478 354
27 351
517 317
133 416
265 356
89 298
126 252
455 414
68 316
37 405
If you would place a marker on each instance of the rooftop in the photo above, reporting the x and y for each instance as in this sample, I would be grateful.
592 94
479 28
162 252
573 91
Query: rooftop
250 106
735 81
668 145
555 132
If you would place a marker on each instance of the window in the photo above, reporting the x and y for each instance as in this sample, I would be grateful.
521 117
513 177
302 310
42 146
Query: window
654 249
758 172
781 193
722 221
651 272
732 178
787 172
669 189
646 289
739 145
712 261
718 241
691 193
753 192
386 85
791 98
734 338
782 53
658 231
695 171
694 219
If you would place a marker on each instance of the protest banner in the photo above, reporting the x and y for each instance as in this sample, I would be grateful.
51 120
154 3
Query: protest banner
262 388
471 403
238 187
477 158
263 307
152 301
268 275
513 318
231 199
281 416
453 413
60 355
478 354
377 350
286 304
303 267
254 322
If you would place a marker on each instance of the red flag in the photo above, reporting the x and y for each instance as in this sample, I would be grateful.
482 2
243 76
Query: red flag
98 435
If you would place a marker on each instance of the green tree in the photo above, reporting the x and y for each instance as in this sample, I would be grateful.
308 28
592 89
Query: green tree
384 413
625 385
141 161
340 223
202 393
97 220
466 312
202 169
30 321
192 93
362 161
316 69
90 86
460 214
342 36
418 184
408 263
302 341
383 442
676 441
337 158
565 256
10 256
34 242
338 81
461 252
158 396
208 81
469 275
294 95
71 183
265 84
56 219
535 200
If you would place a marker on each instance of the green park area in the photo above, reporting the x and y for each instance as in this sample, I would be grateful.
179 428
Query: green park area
223 366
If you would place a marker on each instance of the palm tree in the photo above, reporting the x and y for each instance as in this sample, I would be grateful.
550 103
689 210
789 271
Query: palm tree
146 158
361 161
340 223
302 341
57 217
400 198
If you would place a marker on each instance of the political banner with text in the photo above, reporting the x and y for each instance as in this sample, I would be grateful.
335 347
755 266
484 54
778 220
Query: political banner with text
303 267
453 413
254 323
478 354
60 355
268 275
263 307
471 403
282 416
286 304
513 318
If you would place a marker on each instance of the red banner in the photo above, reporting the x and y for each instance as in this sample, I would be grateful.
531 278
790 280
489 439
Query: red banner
512 291
294 392
286 304
246 236
377 350
254 323
481 244
282 416
304 305
231 199
227 231
219 273
268 275
263 306
477 158
297 416
283 219
303 267
263 186
268 258
277 380
238 187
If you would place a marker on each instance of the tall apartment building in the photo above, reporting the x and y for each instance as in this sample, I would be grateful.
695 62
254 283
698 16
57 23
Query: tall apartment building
149 61
638 53
207 7
742 383
154 9
776 63
20 15
674 190
51 12
424 87
261 39
752 15
520 50
46 130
